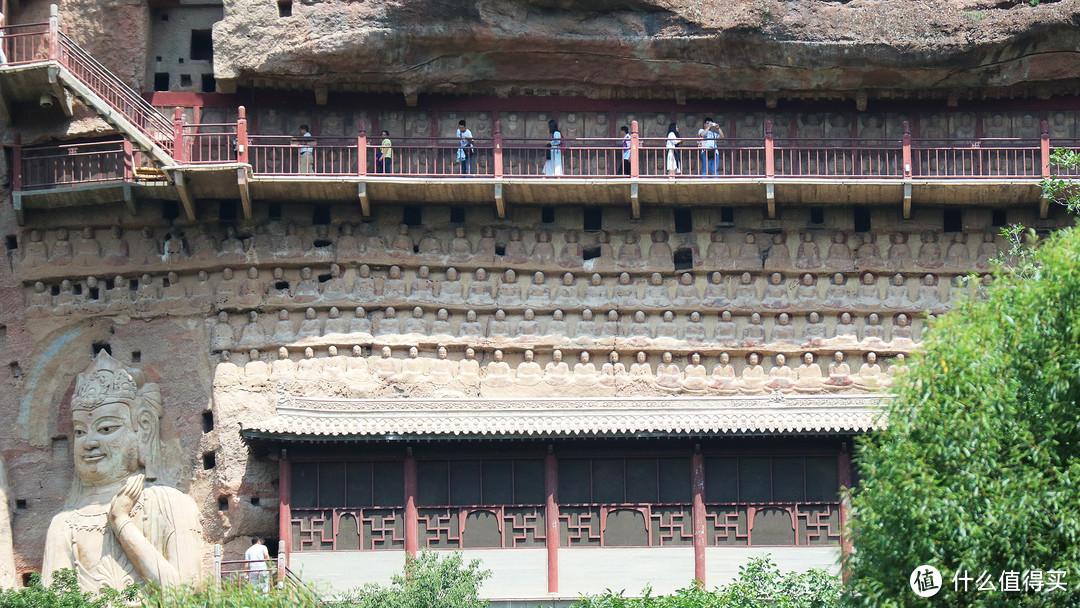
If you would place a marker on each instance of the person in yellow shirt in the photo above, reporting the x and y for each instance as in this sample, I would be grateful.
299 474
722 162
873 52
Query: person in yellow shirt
384 155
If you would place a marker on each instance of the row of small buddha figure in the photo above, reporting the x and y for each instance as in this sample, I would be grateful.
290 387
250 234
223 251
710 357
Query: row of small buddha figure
639 327
774 291
284 241
694 377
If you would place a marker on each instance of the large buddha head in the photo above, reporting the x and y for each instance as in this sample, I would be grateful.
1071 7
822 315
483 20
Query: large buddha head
115 414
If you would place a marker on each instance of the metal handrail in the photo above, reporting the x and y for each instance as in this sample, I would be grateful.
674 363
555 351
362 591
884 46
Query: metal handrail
145 117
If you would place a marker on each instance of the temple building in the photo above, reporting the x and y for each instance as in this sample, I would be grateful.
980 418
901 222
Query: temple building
600 293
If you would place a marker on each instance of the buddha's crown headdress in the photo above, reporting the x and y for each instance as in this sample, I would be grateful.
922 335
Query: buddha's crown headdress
105 381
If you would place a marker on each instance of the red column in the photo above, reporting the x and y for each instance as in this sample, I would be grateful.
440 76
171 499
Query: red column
285 506
1044 148
697 485
843 462
770 157
361 151
635 144
16 162
907 151
178 135
551 516
498 153
412 533
242 135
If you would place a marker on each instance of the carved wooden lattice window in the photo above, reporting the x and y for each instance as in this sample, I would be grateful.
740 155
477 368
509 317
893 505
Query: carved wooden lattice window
772 501
481 503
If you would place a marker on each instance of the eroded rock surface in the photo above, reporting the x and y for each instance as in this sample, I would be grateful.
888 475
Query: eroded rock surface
654 48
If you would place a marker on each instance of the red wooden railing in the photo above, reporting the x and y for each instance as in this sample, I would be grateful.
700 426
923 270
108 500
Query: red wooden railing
24 44
72 164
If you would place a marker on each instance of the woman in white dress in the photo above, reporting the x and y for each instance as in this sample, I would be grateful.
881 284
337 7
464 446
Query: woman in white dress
673 165
553 165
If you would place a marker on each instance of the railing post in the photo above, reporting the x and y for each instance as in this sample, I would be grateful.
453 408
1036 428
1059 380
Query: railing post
1044 148
241 135
770 155
16 161
217 564
178 135
129 161
907 151
498 152
361 150
282 565
635 144
54 33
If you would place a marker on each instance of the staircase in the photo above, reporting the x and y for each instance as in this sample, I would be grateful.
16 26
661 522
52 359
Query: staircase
42 46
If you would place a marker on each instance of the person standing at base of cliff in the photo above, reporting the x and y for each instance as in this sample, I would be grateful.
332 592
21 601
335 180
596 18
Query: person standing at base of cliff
307 152
624 163
384 155
465 147
553 165
116 529
709 133
257 556
672 164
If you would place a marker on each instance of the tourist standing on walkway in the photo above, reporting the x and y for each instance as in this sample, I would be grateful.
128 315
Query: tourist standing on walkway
553 165
624 165
674 167
257 558
307 153
384 155
709 133
465 147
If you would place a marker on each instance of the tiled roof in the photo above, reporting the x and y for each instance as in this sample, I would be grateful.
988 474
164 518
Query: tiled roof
330 419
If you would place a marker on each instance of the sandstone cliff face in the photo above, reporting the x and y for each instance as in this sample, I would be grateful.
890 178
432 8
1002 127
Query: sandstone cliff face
654 48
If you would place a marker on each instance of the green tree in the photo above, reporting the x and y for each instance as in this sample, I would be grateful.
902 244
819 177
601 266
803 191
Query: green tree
979 467
427 582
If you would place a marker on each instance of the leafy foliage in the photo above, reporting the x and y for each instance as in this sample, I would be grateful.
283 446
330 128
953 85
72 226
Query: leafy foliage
230 596
979 468
63 593
427 582
760 584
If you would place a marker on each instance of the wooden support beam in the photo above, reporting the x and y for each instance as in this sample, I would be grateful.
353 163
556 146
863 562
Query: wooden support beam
245 191
500 204
635 202
16 203
907 201
770 199
365 203
185 194
63 97
129 198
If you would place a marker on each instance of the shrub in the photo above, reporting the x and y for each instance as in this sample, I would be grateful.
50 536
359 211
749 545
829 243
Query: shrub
63 593
427 582
760 584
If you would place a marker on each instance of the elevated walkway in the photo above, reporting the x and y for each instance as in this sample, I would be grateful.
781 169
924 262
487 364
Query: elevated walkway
165 159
